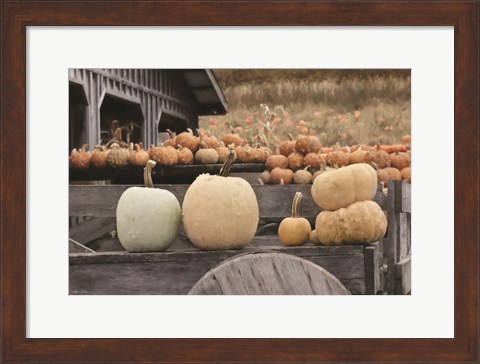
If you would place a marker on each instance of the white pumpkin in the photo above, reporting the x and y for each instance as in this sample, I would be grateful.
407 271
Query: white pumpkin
147 218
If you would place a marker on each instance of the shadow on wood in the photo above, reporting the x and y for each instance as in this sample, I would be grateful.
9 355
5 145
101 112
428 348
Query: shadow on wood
268 274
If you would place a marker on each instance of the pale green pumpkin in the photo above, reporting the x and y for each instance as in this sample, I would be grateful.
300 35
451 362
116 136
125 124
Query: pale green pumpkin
147 218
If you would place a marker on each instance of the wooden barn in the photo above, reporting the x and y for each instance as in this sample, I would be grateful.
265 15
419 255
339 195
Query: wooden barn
152 99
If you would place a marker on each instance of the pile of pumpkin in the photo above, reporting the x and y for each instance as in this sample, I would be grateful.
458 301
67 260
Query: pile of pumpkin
218 212
302 159
182 149
349 215
221 212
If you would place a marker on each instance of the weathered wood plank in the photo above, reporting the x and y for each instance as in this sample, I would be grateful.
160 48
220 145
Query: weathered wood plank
274 200
268 274
84 200
403 235
372 269
92 229
398 232
175 272
403 276
160 174
402 196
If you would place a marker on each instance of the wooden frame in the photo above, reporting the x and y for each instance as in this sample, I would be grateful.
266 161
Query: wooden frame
16 16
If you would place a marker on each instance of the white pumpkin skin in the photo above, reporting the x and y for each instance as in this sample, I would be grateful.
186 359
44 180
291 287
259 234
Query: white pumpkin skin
147 219
360 223
220 213
333 190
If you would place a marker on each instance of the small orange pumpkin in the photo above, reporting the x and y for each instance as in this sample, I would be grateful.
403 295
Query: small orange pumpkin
294 230
80 159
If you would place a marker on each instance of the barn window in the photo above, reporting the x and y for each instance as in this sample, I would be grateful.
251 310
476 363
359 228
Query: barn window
78 112
128 115
172 123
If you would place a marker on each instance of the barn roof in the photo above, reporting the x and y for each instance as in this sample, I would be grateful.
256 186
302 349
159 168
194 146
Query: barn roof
206 91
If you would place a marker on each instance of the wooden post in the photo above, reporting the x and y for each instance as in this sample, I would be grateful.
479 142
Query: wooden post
397 244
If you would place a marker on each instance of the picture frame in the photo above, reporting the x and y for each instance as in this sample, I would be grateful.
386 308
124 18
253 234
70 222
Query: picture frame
17 16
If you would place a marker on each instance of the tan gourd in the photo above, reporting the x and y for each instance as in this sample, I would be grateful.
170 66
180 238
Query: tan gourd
220 212
302 176
118 156
294 230
360 223
339 188
206 155
264 178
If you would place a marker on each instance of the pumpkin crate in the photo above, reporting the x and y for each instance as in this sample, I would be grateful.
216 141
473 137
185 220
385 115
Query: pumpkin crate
379 268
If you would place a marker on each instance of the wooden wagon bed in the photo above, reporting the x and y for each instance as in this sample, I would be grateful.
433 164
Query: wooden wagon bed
382 267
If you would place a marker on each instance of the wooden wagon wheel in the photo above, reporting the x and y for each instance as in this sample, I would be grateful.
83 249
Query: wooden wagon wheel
268 274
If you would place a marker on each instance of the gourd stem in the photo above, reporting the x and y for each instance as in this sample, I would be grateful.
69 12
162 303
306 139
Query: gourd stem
296 204
147 174
228 162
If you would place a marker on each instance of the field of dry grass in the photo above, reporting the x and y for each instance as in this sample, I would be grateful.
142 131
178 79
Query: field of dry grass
348 107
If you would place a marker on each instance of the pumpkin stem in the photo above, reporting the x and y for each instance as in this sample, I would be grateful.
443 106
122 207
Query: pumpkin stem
296 204
228 162
147 173
290 137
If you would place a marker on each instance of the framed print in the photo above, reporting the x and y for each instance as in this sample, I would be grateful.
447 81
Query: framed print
172 65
